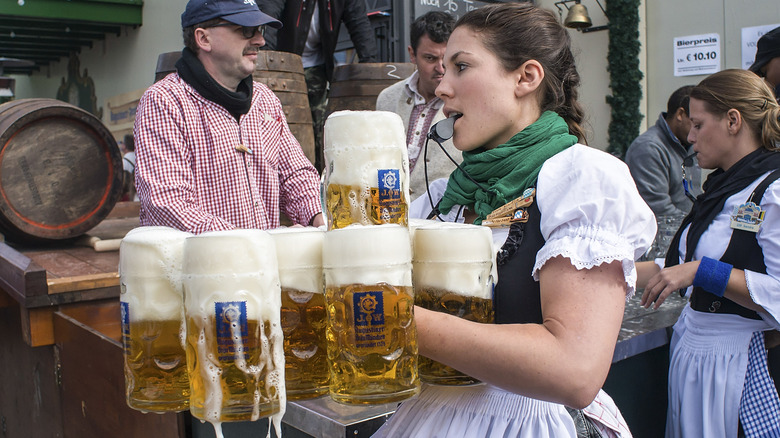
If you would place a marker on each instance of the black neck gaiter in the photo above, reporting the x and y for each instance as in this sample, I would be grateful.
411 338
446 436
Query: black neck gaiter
191 70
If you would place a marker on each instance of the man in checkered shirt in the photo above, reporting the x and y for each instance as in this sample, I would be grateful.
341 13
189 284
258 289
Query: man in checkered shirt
213 148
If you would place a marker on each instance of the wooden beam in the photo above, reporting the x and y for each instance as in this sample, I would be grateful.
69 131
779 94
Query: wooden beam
82 282
20 277
5 299
38 326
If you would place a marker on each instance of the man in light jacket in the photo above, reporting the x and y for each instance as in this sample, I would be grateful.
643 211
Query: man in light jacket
414 99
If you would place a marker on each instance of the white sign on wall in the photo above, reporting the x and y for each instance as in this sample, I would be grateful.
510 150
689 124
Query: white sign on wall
697 55
750 36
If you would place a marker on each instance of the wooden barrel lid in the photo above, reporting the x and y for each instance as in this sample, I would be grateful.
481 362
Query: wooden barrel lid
352 103
278 61
373 71
284 85
60 170
359 88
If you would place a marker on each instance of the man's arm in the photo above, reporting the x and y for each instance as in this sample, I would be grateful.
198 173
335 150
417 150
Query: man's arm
299 182
360 30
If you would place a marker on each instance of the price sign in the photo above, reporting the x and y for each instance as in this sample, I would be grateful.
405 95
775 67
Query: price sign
697 55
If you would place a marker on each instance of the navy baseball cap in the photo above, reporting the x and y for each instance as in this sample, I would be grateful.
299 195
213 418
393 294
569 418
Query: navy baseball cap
768 49
240 12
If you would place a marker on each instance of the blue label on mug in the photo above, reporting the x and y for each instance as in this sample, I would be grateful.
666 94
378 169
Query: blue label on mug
389 185
124 309
369 314
232 330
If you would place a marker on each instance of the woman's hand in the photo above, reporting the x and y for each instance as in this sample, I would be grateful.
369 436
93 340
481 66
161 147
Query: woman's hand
671 279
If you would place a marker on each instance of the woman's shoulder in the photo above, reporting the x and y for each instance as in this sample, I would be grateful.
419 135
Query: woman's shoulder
581 162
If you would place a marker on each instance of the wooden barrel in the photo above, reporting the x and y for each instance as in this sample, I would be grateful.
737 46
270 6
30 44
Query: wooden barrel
166 64
356 86
60 171
282 72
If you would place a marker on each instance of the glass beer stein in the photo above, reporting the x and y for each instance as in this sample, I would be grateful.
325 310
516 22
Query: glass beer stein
371 335
366 169
150 261
453 273
232 303
299 253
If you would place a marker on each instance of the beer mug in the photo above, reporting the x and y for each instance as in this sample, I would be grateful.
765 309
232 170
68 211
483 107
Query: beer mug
150 261
453 267
299 253
366 169
232 302
371 335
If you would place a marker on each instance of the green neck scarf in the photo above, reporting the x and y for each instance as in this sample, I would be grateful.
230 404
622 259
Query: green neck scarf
507 170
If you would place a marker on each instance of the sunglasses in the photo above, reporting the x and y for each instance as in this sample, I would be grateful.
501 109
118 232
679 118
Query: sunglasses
687 181
247 32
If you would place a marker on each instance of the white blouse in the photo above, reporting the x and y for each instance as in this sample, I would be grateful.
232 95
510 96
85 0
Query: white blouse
591 212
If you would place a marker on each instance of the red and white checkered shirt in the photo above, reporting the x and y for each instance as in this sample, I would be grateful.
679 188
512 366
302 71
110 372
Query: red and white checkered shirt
191 173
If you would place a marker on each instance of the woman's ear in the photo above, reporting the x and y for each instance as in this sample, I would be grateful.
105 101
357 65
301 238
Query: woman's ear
529 77
734 120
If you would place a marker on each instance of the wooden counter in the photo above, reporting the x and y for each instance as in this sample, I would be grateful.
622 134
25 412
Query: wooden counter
61 363
41 279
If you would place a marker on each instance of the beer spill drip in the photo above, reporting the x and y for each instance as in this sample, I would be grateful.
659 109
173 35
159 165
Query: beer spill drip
213 402
265 309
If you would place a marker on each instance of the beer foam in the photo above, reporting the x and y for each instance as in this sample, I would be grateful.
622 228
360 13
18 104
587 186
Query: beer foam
299 253
367 254
416 223
230 266
454 257
233 265
150 263
357 143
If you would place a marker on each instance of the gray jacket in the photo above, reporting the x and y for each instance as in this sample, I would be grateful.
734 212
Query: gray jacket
395 99
655 161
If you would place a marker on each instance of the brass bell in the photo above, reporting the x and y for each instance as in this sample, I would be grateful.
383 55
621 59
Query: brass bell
578 17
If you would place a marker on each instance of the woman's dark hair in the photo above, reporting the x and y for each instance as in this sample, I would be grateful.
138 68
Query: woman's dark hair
519 32
747 93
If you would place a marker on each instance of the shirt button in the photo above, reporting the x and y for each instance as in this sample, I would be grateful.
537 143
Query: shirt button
416 132
422 115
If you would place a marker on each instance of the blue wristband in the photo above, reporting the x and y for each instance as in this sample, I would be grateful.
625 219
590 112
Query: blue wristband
712 276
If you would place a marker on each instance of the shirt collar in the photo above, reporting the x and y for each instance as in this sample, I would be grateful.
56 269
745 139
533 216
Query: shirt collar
411 89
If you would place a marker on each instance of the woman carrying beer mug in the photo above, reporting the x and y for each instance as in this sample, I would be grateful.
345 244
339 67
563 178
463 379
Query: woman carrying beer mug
566 263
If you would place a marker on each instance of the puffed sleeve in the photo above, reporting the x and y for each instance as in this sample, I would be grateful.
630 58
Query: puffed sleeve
592 212
765 288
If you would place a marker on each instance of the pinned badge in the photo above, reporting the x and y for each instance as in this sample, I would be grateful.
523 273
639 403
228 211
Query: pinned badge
513 211
748 217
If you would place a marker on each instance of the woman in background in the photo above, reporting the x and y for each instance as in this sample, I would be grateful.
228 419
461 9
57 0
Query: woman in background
564 275
727 251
